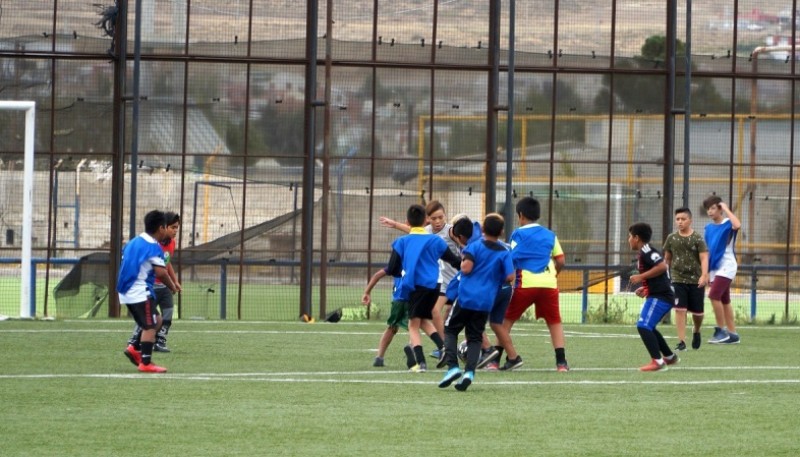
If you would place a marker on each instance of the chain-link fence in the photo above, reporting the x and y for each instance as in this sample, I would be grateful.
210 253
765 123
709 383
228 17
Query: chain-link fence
411 103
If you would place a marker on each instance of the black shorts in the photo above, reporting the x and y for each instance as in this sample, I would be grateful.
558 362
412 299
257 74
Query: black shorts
145 314
421 302
690 297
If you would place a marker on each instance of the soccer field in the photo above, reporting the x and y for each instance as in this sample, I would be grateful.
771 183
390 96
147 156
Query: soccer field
293 389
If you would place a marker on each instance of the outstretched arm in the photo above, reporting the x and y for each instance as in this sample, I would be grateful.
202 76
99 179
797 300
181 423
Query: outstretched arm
452 259
366 299
391 223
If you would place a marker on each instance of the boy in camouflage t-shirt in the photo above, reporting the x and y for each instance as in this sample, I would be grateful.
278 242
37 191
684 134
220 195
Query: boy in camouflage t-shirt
686 253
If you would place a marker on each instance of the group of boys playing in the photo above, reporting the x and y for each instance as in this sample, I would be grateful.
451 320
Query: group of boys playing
479 291
468 268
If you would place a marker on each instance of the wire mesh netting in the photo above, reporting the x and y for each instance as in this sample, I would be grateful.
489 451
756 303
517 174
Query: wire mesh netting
411 103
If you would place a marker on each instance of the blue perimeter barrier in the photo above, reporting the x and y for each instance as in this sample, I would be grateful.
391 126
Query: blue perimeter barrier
753 269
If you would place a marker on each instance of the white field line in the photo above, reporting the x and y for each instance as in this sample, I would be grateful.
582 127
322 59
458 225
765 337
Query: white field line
327 378
518 325
542 332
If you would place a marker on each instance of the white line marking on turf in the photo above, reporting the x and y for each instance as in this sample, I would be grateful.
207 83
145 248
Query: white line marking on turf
542 333
266 377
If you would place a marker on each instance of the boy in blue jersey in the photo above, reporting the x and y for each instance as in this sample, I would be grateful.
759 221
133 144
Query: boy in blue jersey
720 236
398 317
465 232
437 225
143 261
659 296
415 258
485 267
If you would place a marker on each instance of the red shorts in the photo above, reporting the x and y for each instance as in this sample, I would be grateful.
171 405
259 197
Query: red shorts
545 300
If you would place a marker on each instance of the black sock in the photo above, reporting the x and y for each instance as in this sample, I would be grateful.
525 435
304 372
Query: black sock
662 344
161 337
147 352
419 355
437 340
499 353
561 356
410 359
650 342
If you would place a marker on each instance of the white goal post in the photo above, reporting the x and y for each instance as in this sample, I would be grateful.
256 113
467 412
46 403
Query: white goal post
25 296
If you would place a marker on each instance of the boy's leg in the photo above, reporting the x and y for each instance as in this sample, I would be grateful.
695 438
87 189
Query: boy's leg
420 307
136 337
719 313
398 317
548 308
682 302
716 293
680 325
663 347
697 325
496 318
413 332
429 328
386 340
438 320
696 306
653 310
475 325
521 300
452 328
729 312
165 301
146 315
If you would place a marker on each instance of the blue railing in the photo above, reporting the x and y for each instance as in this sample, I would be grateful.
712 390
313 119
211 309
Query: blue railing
585 269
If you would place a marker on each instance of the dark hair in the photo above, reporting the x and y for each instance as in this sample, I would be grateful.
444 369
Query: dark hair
172 218
433 206
416 215
493 224
153 221
683 209
463 227
711 201
642 230
529 207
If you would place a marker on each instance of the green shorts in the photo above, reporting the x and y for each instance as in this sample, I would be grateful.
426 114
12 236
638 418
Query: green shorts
399 314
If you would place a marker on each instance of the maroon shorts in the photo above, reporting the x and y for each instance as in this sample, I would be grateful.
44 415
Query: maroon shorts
545 301
720 289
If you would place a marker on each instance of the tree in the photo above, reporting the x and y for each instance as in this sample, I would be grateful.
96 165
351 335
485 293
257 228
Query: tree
282 133
645 93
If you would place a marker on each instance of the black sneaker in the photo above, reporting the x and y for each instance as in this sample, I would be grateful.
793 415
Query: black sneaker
512 364
680 347
161 348
696 340
487 357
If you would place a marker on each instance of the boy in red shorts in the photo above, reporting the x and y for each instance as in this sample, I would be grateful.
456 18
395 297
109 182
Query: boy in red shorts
538 258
